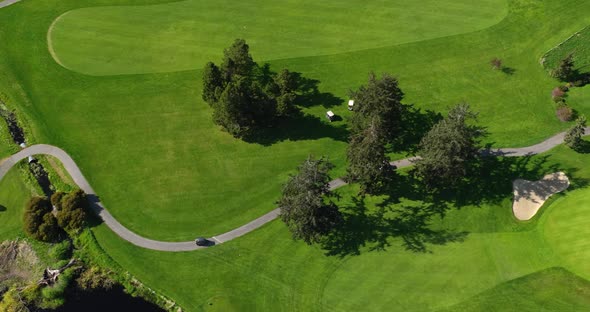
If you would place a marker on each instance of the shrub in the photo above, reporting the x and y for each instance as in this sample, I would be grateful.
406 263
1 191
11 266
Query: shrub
557 94
61 251
573 137
496 63
564 112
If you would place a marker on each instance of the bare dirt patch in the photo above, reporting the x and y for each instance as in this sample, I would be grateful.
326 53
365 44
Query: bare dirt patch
529 196
18 262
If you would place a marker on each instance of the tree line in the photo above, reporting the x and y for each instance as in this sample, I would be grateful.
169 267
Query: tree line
43 223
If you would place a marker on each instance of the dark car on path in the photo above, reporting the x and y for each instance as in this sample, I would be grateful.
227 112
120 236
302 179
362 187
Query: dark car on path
201 241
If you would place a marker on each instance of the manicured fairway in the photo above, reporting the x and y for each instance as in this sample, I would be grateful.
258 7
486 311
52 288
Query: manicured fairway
187 34
567 292
149 148
499 262
147 145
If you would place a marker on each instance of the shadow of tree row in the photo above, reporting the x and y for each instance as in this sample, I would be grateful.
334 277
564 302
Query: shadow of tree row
394 220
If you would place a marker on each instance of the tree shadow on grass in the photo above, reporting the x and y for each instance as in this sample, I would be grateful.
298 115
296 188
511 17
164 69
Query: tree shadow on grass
299 127
508 70
94 209
415 124
374 230
2 208
490 183
584 147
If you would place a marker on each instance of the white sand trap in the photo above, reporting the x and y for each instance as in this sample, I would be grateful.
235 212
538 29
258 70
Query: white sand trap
529 196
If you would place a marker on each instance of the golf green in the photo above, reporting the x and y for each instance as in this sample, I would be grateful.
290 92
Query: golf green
185 35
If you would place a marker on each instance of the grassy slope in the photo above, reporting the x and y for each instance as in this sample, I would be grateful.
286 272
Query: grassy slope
579 45
13 196
530 293
178 36
266 270
147 144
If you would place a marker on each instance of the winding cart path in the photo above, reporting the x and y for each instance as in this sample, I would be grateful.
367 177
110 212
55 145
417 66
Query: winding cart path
126 234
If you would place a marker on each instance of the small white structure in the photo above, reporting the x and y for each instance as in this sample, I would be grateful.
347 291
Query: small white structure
31 159
350 104
330 115
23 145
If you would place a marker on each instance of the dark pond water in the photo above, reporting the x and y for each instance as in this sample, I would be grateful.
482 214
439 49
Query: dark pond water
112 300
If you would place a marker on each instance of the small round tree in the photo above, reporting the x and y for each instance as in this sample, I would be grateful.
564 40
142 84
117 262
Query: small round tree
38 221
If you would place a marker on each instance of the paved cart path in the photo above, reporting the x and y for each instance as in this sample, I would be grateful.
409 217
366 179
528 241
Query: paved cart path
6 3
126 234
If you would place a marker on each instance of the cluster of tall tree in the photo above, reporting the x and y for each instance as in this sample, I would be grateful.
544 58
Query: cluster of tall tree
449 148
41 223
375 122
244 97
306 203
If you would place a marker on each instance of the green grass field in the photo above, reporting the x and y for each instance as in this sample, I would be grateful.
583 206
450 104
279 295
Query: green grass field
148 146
500 263
185 35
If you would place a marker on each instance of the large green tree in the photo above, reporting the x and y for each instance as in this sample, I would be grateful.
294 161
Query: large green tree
368 163
306 205
38 221
448 149
378 101
71 209
245 97
573 137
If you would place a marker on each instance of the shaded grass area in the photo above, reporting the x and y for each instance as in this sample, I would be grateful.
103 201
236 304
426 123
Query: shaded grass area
567 292
578 45
380 269
177 36
164 170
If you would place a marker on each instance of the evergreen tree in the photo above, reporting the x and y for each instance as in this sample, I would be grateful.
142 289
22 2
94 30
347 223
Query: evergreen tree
565 70
368 163
305 203
378 101
448 148
228 112
573 137
237 61
212 83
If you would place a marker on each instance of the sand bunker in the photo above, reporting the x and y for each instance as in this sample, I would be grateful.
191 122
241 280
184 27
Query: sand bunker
529 196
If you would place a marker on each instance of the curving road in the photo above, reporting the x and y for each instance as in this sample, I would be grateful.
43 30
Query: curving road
126 234
6 3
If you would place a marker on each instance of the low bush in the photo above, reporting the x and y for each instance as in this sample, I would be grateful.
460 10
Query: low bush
558 94
564 112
